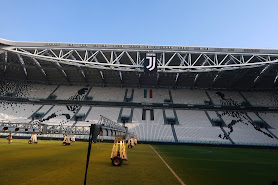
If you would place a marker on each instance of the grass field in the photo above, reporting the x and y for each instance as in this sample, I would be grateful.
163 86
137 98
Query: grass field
49 163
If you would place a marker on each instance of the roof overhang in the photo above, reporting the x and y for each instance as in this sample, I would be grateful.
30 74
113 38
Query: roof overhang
179 61
172 59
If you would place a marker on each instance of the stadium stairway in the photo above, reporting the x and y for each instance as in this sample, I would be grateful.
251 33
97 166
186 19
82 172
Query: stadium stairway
210 120
176 117
49 110
128 97
79 107
272 133
224 131
85 97
88 112
221 127
130 115
35 113
171 97
172 125
132 94
16 90
126 90
209 98
245 99
120 114
174 133
76 112
267 129
54 91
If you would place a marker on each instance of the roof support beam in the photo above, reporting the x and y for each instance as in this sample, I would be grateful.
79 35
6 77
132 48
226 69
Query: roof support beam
121 77
5 61
177 77
81 72
39 67
275 79
22 63
157 79
140 79
195 79
58 66
219 73
264 71
197 75
238 77
117 62
62 71
102 77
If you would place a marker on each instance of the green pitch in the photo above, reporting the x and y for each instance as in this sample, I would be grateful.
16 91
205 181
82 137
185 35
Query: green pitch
49 162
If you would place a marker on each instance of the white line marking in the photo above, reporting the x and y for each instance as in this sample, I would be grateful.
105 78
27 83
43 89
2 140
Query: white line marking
168 166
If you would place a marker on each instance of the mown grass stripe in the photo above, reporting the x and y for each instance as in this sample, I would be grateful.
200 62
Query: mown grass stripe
168 166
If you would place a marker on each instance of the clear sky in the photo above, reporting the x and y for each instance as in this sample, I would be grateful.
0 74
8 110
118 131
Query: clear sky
216 23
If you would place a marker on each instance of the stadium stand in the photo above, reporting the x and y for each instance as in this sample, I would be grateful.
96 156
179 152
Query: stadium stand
189 126
110 113
107 94
150 130
231 95
150 95
267 99
7 88
191 97
71 92
16 112
196 127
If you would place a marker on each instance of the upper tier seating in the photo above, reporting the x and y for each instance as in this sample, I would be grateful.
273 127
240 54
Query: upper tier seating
268 99
231 97
107 94
36 91
17 112
108 112
189 96
71 92
194 125
7 87
150 95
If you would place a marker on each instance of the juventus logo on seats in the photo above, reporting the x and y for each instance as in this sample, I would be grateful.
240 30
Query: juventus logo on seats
150 63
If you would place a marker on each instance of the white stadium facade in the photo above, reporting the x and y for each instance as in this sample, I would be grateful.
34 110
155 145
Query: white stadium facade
175 94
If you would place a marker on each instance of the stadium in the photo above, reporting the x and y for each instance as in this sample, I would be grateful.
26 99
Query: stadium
201 115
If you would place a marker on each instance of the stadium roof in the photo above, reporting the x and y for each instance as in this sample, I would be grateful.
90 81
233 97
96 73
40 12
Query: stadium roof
118 65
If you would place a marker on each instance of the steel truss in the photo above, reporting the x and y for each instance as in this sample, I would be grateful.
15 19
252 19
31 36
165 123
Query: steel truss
109 126
170 59
124 60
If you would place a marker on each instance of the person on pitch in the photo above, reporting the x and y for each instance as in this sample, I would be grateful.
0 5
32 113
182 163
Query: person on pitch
73 138
66 140
10 138
34 138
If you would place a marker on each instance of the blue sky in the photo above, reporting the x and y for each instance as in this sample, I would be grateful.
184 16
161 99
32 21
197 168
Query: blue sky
218 23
